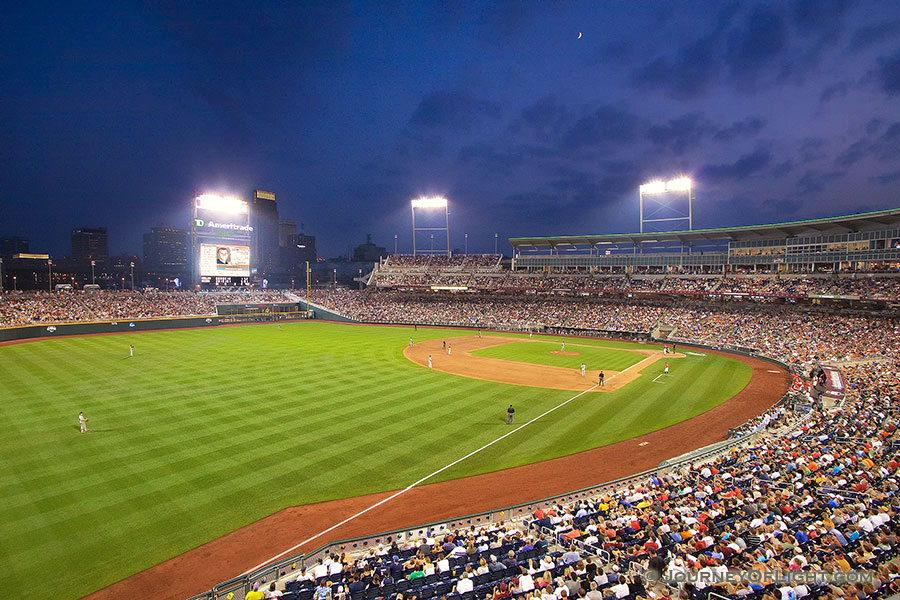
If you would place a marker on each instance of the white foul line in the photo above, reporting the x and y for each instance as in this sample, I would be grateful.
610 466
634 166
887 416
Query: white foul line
412 485
633 366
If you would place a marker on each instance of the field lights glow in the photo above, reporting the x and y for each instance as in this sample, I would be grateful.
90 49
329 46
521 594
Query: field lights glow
221 204
434 202
682 184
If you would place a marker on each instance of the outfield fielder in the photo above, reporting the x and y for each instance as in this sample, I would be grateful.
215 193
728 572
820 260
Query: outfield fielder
82 422
131 350
563 349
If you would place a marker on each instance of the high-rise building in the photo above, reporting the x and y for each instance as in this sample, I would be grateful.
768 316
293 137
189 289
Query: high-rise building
264 213
166 252
90 244
13 245
286 228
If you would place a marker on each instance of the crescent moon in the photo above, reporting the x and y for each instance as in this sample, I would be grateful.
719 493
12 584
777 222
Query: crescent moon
579 35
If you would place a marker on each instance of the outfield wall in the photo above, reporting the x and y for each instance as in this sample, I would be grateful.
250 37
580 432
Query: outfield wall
10 334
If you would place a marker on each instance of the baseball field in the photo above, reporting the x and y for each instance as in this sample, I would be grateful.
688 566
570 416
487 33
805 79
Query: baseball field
204 431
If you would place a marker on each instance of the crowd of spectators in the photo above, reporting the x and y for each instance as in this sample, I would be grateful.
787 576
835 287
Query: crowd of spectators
29 308
786 333
412 272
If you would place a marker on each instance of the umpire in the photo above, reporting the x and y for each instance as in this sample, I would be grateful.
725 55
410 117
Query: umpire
509 414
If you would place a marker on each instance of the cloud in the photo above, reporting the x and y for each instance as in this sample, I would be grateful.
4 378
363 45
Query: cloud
782 169
678 134
745 128
605 126
853 154
453 110
745 166
687 74
871 35
837 90
756 45
544 118
814 181
887 73
887 146
886 178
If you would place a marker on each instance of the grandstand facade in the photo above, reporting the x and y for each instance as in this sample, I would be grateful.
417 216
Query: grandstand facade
861 242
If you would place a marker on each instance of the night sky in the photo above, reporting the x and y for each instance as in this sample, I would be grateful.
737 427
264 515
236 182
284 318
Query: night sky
114 113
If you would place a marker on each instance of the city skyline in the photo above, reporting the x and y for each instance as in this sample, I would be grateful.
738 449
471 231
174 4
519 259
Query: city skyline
532 118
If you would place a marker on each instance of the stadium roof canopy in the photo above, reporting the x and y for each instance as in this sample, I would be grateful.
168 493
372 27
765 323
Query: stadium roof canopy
834 225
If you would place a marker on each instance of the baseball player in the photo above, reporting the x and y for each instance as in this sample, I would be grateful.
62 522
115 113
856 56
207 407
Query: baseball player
445 345
131 350
666 370
563 349
82 422
429 361
449 349
509 414
583 367
410 342
601 378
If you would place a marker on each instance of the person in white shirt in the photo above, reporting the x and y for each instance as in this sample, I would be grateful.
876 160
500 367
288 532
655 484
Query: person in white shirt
320 570
82 422
464 585
621 587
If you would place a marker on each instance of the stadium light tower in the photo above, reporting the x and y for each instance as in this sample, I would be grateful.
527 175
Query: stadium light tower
656 192
433 204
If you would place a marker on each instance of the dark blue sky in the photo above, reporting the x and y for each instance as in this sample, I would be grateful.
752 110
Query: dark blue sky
113 113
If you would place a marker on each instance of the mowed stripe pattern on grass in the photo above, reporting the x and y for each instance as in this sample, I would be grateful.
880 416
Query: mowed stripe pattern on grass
205 431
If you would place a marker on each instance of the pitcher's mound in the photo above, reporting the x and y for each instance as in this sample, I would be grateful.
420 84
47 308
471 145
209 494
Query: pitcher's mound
566 353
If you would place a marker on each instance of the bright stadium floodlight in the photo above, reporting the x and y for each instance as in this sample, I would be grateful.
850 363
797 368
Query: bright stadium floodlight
653 187
433 202
221 204
659 187
682 184
430 203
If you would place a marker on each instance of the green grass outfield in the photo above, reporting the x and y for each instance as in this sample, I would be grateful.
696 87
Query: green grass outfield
206 430
538 353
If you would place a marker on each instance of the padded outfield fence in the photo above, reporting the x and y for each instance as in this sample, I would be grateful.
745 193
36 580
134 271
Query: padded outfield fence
281 568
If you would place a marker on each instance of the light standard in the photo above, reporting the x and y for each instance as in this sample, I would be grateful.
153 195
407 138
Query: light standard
307 289
335 279
49 274
15 289
123 284
467 244
1 275
93 279
132 276
432 243
360 280
395 243
495 243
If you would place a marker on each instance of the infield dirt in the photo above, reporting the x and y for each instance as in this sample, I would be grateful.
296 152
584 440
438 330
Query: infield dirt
462 362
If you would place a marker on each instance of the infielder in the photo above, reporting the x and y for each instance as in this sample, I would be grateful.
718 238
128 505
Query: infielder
601 378
410 342
82 422
582 369
449 349
666 370
429 361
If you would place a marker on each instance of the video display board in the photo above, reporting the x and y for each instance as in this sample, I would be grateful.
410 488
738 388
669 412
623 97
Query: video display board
224 260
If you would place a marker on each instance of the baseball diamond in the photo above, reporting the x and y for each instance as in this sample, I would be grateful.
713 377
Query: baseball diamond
182 392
